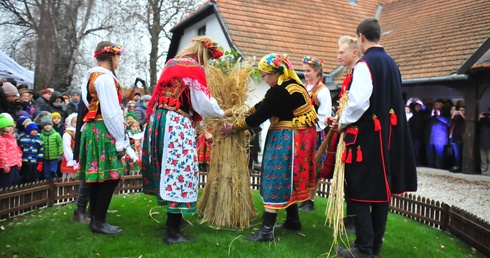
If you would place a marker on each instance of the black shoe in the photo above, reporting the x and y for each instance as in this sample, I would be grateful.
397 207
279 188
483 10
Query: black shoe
99 227
349 224
309 205
266 231
261 236
352 252
174 238
290 226
80 216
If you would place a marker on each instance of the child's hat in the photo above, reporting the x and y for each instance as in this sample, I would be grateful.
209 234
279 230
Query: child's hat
46 121
55 114
30 127
5 121
21 119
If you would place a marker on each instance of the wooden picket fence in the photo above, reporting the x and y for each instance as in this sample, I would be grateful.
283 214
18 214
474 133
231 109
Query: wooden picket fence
22 199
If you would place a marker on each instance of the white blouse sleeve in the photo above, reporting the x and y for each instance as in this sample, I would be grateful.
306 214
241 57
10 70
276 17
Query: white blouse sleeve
325 108
111 110
202 104
359 94
67 151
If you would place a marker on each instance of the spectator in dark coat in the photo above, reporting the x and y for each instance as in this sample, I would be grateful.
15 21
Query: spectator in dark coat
140 110
43 101
9 100
456 135
57 104
75 95
484 131
416 125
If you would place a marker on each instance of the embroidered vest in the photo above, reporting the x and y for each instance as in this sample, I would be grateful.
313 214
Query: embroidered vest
93 113
175 96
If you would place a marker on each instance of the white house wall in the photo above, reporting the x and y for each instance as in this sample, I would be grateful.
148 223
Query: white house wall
213 30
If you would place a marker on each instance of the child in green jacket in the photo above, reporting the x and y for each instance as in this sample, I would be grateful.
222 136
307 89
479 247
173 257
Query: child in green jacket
53 148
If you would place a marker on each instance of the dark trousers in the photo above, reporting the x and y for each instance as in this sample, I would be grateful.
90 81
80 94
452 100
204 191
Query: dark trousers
9 179
82 196
100 198
370 222
29 173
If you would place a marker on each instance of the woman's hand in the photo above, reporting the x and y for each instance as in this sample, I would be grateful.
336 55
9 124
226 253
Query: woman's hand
227 129
329 120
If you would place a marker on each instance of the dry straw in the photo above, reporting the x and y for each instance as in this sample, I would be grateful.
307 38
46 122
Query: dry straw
227 200
335 203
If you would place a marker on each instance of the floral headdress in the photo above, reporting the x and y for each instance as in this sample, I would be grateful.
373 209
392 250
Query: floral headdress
211 47
313 61
110 49
275 63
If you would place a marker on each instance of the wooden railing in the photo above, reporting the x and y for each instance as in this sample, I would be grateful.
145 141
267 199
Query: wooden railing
22 199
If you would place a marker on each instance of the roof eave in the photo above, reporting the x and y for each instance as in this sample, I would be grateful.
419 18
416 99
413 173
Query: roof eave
466 67
205 11
178 29
433 80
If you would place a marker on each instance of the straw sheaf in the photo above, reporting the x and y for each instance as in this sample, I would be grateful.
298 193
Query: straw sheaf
227 200
335 203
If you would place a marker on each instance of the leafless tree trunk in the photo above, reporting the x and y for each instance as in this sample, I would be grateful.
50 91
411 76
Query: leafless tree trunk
55 23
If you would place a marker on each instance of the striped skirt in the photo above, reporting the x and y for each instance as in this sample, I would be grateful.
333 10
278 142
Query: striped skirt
288 167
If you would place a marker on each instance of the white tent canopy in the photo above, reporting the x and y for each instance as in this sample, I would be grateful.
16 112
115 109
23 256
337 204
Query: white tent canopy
11 69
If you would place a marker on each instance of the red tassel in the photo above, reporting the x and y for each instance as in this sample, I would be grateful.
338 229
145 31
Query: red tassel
343 155
359 154
377 124
349 157
393 118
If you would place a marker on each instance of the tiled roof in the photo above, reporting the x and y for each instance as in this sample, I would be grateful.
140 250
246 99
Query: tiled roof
426 38
298 28
434 38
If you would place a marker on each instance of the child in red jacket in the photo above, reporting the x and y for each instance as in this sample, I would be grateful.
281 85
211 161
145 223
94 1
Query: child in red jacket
10 153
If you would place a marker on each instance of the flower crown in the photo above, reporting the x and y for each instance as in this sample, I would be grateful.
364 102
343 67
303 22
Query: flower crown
313 61
211 47
110 49
279 62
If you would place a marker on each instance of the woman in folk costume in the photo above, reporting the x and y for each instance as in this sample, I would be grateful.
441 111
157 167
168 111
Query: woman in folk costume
321 100
69 166
103 141
288 168
181 98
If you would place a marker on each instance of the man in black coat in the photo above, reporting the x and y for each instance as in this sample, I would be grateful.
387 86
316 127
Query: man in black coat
379 157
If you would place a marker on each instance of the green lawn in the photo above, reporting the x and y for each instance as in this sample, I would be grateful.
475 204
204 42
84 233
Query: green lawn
51 233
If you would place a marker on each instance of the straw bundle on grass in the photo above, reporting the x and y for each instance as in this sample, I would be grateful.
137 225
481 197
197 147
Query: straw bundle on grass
335 204
227 200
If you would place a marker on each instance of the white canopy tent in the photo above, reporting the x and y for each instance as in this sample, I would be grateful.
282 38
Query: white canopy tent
11 69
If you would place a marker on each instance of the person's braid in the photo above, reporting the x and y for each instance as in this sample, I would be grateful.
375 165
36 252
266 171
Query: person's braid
112 66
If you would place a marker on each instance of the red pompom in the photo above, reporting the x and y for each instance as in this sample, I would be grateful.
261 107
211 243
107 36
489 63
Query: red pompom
393 118
349 157
359 154
343 155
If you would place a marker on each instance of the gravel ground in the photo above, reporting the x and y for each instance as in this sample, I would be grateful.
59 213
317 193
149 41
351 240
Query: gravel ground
468 192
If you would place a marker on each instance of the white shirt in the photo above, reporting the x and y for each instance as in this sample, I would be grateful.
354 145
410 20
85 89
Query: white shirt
109 104
359 94
201 103
325 108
